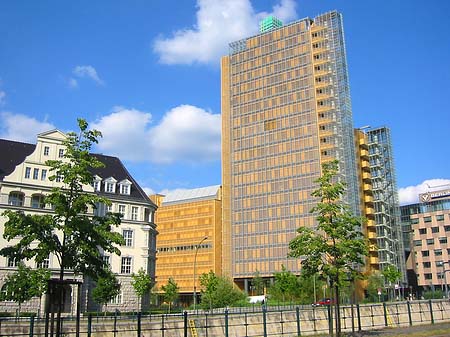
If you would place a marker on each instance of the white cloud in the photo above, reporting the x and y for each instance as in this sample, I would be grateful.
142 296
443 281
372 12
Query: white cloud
2 97
85 72
73 83
410 194
21 128
219 22
186 133
148 190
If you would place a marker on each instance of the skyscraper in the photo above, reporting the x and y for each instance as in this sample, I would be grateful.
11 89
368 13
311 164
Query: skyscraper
285 111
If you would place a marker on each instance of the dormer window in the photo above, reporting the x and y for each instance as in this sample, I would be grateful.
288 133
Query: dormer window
96 183
110 185
125 187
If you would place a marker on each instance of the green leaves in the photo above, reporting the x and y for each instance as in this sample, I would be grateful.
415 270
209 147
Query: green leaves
142 282
337 247
171 291
107 288
219 292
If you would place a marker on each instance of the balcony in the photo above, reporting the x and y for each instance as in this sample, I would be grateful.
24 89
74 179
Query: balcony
366 176
372 235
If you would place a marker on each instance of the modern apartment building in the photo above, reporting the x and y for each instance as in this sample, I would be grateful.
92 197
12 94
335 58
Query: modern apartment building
24 182
427 230
367 200
285 111
388 226
190 238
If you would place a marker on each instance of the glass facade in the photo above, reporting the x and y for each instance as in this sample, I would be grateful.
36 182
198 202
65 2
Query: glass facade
285 111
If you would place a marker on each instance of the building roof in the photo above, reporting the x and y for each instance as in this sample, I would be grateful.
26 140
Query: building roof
196 194
13 153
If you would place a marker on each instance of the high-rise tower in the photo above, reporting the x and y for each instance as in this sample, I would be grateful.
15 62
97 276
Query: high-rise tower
285 110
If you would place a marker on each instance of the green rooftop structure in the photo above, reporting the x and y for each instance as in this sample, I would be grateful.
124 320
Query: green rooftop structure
269 23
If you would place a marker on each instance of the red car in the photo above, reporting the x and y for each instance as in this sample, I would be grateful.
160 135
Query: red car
325 301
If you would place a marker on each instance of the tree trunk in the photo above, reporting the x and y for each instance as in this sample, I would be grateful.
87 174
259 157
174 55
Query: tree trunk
337 314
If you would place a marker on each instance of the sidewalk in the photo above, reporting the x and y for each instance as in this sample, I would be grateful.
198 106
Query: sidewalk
435 330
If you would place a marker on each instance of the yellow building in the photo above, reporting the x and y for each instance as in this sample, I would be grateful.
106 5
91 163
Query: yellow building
189 241
366 201
285 111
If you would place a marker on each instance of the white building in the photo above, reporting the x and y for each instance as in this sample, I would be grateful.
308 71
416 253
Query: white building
24 181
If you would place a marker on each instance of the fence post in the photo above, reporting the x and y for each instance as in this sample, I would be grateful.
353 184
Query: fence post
330 321
32 326
385 314
139 324
264 311
226 322
89 325
408 303
185 316
431 311
115 322
358 313
297 311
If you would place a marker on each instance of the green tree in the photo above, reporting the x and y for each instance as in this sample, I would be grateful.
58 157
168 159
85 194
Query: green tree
142 284
391 275
258 283
285 285
70 233
171 292
374 283
107 287
337 248
24 284
219 292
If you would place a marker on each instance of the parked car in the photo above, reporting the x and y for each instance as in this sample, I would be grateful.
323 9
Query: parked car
325 301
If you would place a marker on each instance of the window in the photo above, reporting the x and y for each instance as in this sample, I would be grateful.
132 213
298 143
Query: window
427 264
61 153
37 201
447 228
425 253
45 264
125 189
435 229
43 174
27 172
414 221
125 267
110 187
134 213
430 241
109 208
438 252
422 231
128 237
46 150
106 260
15 199
35 173
440 217
427 219
443 239
96 185
13 262
117 299
58 177
122 210
428 276
417 243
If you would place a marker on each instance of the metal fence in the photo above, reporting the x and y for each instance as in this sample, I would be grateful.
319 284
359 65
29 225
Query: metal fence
248 322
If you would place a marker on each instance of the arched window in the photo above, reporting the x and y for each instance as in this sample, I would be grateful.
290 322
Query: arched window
16 199
37 201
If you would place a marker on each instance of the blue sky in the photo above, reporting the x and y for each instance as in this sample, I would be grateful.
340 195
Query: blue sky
146 73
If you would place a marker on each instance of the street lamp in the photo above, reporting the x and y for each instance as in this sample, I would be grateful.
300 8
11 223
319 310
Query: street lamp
195 265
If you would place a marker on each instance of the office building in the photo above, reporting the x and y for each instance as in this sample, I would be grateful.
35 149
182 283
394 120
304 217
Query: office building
427 229
385 200
285 111
190 238
24 182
